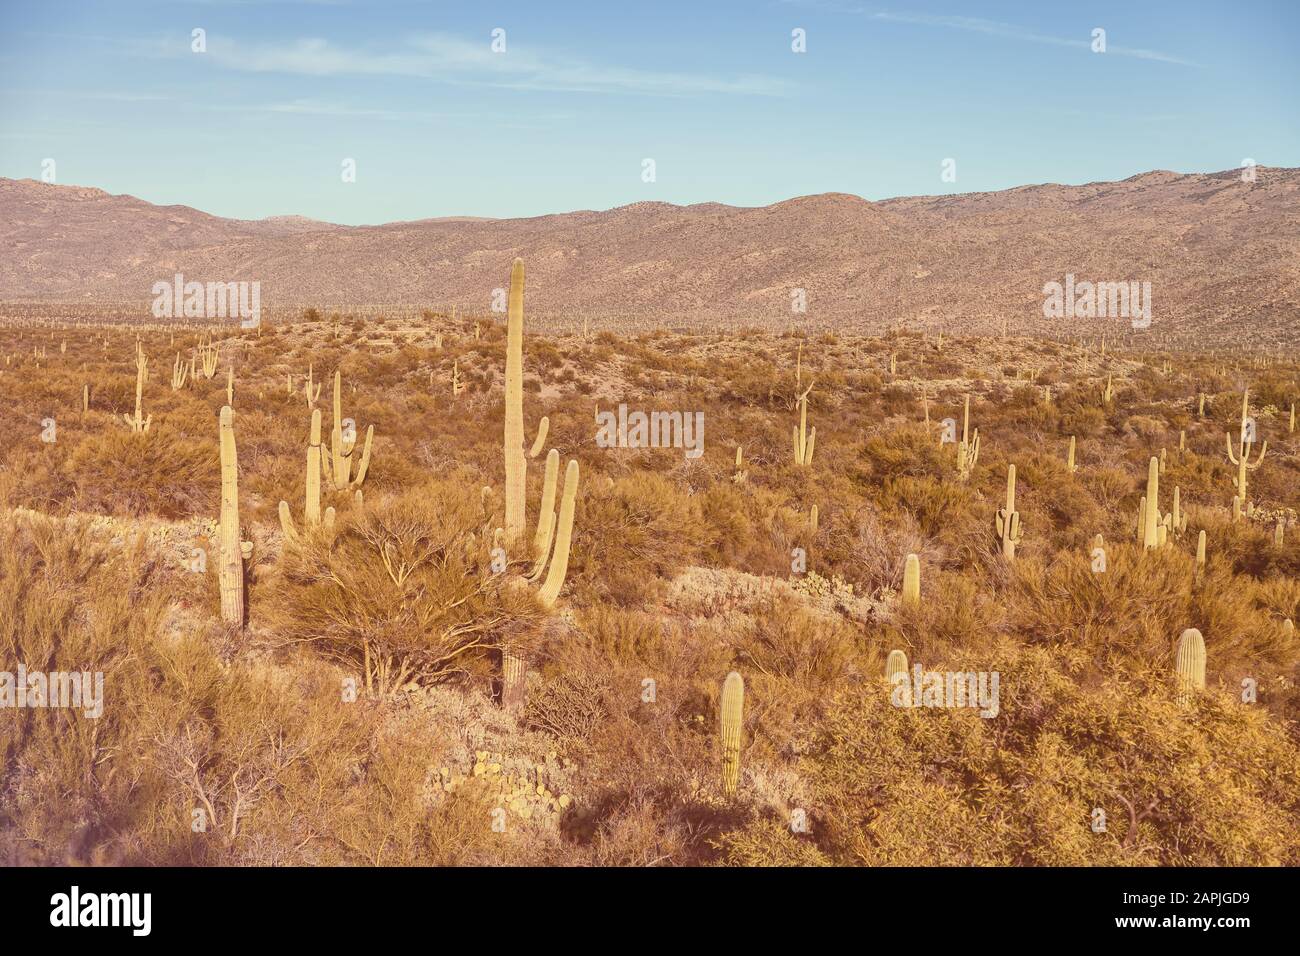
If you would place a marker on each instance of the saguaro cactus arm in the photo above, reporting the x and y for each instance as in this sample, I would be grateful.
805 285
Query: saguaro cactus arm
550 590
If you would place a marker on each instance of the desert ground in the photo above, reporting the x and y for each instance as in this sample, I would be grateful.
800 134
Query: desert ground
344 622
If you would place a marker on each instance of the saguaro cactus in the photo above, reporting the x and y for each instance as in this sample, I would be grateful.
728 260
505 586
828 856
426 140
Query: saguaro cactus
896 663
1241 458
338 464
232 551
1151 509
139 423
968 452
740 474
311 391
311 507
912 581
513 446
180 372
733 717
1069 457
804 440
1008 518
208 353
1178 517
1189 664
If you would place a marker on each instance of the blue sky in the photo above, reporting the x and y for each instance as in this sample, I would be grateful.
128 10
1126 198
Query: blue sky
439 124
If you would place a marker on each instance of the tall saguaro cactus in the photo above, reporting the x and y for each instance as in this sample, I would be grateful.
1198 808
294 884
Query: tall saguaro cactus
232 552
733 718
516 461
1008 518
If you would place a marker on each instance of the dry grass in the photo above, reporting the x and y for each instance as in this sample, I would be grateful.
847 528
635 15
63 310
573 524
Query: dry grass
372 658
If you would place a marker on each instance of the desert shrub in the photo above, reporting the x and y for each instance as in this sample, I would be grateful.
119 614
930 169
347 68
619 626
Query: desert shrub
569 705
896 785
630 534
120 472
404 592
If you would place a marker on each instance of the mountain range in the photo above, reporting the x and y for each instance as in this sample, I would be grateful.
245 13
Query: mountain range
1222 256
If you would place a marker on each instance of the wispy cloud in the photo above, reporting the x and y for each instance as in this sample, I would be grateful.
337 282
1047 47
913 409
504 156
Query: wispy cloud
455 59
996 28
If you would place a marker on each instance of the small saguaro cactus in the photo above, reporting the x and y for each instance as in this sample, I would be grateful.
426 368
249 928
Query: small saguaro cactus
208 354
1200 406
310 389
1069 457
896 663
804 440
139 423
1178 517
912 581
968 451
814 520
1108 392
1189 664
1154 527
338 463
311 508
1008 518
180 372
233 552
740 474
733 718
230 385
1241 457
